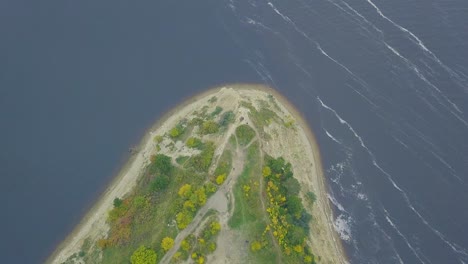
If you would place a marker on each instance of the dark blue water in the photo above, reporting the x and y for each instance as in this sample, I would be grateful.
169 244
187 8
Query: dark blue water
383 83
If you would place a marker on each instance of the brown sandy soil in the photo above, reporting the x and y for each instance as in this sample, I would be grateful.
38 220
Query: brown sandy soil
296 144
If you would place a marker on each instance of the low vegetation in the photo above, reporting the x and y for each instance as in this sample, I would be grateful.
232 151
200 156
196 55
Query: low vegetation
197 246
244 134
262 117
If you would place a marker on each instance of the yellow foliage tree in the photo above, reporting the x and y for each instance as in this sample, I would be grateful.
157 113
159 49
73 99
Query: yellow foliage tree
220 179
185 245
215 227
212 247
185 191
246 189
177 256
167 243
183 219
256 246
143 255
201 260
266 171
201 196
188 205
308 259
299 249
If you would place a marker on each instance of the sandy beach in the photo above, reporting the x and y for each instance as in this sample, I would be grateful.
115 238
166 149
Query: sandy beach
307 169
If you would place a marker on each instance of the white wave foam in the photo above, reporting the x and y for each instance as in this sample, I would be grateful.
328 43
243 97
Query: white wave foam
362 196
456 248
336 203
342 227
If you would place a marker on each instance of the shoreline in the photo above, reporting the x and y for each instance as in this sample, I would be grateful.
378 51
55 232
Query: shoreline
98 202
72 242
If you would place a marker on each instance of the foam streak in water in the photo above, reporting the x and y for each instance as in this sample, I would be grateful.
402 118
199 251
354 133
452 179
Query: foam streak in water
287 19
411 65
332 137
419 42
424 79
415 252
456 248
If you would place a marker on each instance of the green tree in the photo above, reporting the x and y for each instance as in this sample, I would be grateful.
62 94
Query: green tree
294 205
160 183
143 255
162 164
296 235
292 185
117 202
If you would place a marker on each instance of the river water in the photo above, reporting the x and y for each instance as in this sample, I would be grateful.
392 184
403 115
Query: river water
384 85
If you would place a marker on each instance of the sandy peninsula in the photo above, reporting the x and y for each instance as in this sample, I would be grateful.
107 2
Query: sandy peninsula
296 145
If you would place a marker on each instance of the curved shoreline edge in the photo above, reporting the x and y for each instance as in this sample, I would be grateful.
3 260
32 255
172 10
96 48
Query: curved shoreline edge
74 241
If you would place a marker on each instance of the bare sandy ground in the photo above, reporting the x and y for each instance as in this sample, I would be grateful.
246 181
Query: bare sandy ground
296 144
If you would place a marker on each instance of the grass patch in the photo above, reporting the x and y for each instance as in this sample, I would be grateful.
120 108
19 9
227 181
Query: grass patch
244 134
246 209
249 216
182 159
202 161
224 163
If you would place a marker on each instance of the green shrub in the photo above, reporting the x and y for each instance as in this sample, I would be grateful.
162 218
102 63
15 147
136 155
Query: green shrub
194 142
227 118
311 196
209 127
216 112
160 183
158 139
177 131
213 99
117 202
